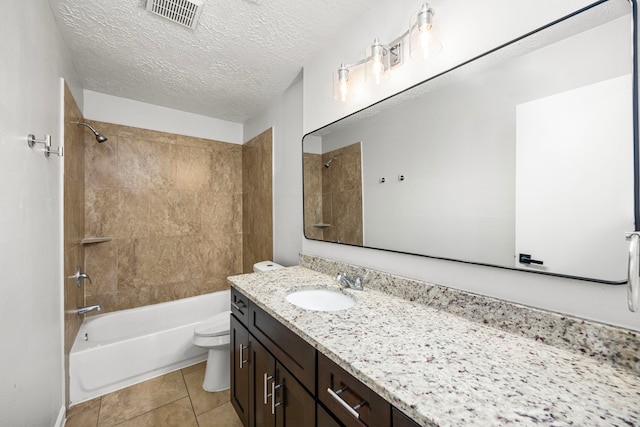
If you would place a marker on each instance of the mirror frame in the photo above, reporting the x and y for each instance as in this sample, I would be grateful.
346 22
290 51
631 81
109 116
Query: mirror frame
636 139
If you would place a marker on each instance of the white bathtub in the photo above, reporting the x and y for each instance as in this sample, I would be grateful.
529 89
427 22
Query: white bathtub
129 346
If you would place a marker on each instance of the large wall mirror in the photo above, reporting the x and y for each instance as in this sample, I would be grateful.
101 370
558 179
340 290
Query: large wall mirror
521 158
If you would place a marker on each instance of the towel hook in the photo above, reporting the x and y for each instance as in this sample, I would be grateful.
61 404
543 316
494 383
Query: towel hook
31 141
633 290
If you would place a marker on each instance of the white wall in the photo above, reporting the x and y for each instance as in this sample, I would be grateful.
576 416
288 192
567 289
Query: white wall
32 61
468 28
123 111
284 114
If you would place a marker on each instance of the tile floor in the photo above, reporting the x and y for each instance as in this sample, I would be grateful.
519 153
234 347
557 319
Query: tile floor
172 400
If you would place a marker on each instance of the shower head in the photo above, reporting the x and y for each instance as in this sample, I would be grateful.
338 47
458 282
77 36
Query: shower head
326 165
99 137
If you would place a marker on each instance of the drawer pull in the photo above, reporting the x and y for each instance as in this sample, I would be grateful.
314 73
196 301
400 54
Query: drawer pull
352 410
267 378
238 305
242 360
274 387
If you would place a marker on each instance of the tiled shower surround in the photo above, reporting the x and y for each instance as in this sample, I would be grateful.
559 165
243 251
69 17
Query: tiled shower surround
74 251
333 195
173 207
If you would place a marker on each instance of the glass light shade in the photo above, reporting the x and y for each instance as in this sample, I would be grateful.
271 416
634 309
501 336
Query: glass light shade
424 41
377 63
342 90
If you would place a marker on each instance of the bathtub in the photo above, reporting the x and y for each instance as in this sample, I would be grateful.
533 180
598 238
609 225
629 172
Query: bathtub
119 349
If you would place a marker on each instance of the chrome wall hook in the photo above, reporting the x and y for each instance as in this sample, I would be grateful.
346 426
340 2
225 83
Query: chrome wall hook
633 284
32 140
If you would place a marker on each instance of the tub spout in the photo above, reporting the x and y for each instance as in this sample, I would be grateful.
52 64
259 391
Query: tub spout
84 310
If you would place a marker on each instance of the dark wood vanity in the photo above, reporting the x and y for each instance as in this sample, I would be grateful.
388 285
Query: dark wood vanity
278 379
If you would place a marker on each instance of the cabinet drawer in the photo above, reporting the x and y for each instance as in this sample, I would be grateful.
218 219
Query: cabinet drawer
352 402
293 352
240 306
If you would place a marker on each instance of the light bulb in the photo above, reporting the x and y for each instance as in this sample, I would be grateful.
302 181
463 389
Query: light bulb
424 42
377 67
342 84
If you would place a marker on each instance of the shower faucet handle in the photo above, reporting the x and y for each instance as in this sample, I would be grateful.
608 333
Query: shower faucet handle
80 276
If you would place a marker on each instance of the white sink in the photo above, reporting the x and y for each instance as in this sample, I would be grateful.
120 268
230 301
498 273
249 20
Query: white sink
320 299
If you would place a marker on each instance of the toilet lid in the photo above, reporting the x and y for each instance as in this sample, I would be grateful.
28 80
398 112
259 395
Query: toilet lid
214 326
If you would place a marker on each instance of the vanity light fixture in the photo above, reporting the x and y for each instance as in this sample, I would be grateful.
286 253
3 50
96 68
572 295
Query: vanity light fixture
381 58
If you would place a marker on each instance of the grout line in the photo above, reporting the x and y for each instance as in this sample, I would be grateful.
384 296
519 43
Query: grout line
189 396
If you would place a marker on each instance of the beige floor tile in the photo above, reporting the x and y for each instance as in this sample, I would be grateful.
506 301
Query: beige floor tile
176 414
138 399
197 366
203 401
222 416
88 417
89 405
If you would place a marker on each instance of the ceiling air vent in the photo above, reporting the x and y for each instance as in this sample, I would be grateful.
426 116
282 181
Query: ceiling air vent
183 12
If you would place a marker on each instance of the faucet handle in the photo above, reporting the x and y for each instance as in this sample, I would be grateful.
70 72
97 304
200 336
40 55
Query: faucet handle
80 276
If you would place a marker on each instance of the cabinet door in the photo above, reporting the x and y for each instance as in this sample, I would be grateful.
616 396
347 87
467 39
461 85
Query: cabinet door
401 420
262 371
324 419
240 369
295 407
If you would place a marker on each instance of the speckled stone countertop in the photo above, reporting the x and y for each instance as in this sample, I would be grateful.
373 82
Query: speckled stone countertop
442 369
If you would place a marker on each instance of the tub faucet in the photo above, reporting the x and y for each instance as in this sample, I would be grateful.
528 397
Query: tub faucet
348 282
84 310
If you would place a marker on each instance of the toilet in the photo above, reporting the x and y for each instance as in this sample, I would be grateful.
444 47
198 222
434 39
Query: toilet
213 334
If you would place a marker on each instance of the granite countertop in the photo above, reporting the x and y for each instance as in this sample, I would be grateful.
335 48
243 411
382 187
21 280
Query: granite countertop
442 369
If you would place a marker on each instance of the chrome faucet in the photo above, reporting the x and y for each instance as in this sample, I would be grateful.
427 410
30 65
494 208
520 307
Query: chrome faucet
80 276
84 310
348 282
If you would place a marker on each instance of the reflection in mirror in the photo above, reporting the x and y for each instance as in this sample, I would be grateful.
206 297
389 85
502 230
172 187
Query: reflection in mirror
521 158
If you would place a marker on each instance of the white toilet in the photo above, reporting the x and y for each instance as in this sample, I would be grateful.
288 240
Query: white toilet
213 334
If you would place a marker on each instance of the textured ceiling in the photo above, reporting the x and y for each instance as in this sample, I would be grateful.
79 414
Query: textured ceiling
242 54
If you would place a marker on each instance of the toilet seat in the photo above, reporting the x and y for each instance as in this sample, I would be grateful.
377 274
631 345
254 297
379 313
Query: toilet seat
214 326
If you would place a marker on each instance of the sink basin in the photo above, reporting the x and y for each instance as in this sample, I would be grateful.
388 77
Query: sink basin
320 299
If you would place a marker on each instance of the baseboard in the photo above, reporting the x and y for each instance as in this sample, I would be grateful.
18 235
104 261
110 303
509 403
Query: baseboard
61 417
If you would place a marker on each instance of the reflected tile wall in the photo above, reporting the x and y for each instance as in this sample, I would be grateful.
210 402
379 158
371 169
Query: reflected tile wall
74 225
342 195
173 206
257 204
312 195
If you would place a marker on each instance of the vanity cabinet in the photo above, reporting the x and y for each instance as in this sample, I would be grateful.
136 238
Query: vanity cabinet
279 380
267 362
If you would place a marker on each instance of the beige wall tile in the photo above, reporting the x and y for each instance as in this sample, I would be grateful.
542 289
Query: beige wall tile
194 166
172 204
101 159
220 213
172 213
145 164
101 260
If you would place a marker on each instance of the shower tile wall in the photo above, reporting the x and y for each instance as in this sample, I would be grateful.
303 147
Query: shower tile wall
312 195
333 195
74 232
258 202
173 206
